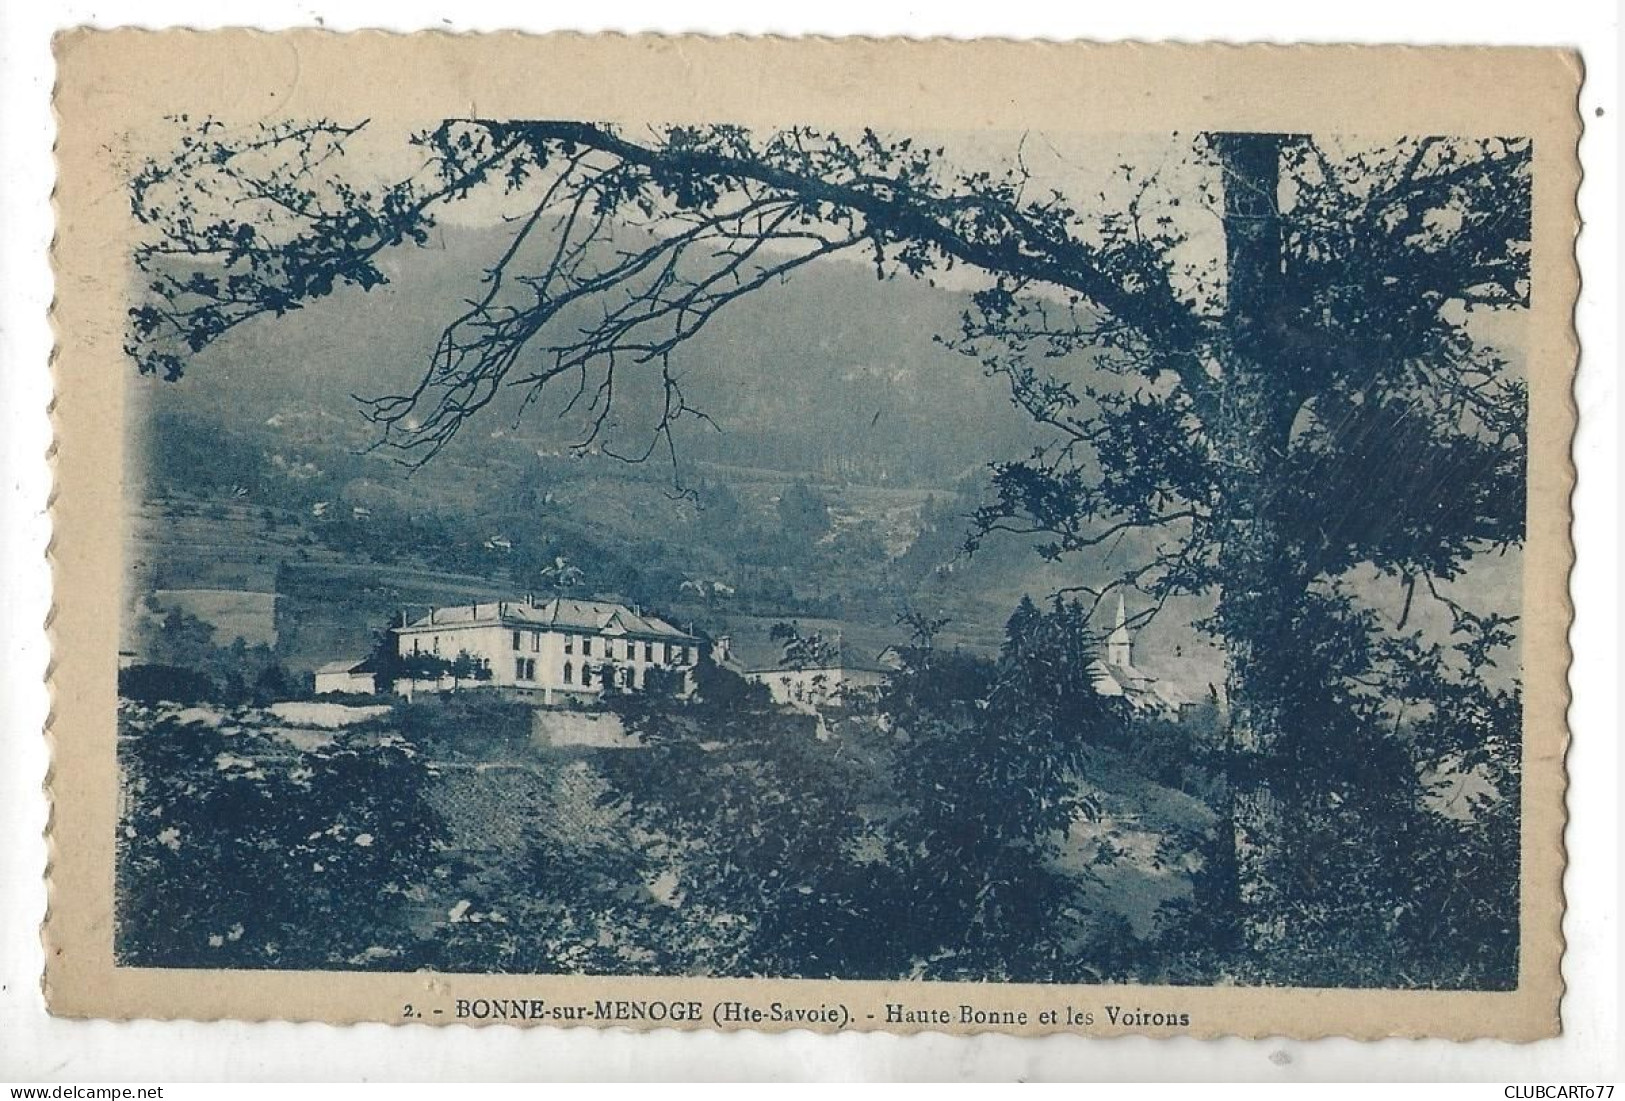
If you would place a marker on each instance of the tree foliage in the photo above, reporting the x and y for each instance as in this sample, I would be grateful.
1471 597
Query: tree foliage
986 775
804 650
184 663
239 851
762 828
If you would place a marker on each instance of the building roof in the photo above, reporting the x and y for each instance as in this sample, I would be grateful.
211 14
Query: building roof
764 656
563 614
1143 688
344 665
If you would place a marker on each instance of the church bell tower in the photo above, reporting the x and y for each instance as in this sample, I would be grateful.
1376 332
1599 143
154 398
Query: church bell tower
1119 650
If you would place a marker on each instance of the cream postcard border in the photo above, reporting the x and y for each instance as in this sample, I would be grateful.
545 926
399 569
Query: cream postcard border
115 87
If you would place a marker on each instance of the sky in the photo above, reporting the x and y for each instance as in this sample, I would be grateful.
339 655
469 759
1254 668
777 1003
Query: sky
1096 172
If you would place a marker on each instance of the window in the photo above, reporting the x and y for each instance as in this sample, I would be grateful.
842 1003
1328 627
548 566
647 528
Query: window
631 676
519 669
631 650
517 645
569 644
414 646
569 673
682 655
668 652
586 648
437 644
536 642
648 651
586 675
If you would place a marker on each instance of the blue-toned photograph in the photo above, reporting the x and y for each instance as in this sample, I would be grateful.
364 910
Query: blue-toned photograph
565 548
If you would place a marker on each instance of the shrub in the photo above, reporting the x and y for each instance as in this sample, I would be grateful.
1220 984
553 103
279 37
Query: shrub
164 683
466 724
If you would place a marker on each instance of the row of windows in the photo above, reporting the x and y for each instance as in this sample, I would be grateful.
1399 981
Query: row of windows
629 649
525 669
669 654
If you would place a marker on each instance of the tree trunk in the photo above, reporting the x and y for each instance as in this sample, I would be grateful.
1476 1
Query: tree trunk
1262 584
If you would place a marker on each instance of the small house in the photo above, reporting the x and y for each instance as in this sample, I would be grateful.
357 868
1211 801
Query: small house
347 676
846 674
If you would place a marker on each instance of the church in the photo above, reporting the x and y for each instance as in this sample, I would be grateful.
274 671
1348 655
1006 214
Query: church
1115 673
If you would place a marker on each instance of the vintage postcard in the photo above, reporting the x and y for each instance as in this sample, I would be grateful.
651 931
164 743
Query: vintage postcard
849 535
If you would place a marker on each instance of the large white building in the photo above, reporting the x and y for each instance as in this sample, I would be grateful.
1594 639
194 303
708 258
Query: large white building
559 650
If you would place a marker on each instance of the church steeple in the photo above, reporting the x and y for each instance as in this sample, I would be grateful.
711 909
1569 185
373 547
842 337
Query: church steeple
1119 649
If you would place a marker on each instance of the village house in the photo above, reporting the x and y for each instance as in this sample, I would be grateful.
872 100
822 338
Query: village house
557 651
804 686
349 675
818 686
